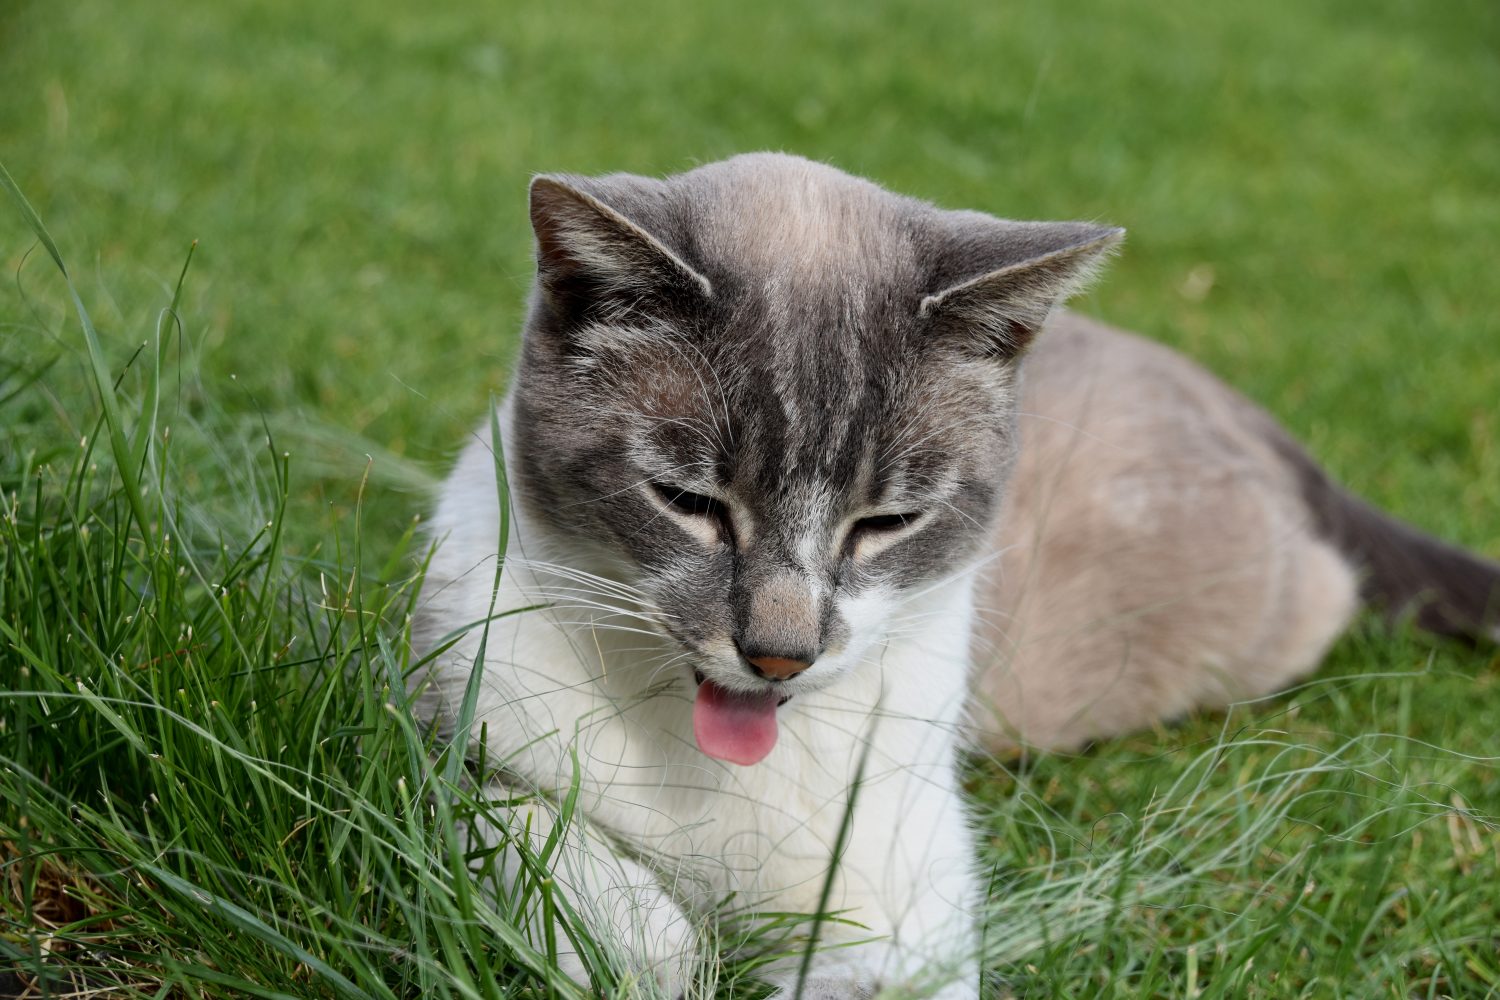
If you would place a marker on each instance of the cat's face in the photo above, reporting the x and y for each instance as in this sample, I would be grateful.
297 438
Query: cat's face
779 400
772 502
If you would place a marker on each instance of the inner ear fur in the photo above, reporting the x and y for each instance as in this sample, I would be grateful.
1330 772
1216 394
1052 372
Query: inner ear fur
1020 272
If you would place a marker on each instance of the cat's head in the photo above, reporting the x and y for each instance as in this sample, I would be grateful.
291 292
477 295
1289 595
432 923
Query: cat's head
781 399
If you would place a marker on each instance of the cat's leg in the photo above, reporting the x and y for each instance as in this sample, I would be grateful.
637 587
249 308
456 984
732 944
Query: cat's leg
920 902
654 947
909 884
906 877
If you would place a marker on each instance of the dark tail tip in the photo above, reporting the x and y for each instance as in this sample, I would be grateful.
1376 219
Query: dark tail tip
1441 587
1408 573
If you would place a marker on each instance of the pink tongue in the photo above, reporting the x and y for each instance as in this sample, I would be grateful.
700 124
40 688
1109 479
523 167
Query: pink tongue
734 727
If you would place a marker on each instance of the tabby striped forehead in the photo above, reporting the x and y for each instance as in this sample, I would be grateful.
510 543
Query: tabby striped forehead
815 431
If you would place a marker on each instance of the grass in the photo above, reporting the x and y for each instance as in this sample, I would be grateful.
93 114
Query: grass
206 794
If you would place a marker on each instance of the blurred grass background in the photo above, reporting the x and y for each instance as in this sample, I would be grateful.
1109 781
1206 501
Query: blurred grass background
1312 191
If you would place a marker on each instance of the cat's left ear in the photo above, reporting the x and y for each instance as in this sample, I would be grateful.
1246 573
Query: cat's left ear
1007 277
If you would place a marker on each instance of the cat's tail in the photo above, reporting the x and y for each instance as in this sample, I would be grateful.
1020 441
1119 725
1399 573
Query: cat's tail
1405 571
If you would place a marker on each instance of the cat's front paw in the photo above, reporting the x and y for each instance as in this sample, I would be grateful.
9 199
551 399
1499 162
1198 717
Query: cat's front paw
827 988
657 948
835 988
637 976
855 984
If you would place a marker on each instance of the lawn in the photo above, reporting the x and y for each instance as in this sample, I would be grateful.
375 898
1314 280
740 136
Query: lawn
209 784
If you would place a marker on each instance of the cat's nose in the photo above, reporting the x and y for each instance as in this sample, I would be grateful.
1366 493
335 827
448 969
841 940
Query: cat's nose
778 668
778 621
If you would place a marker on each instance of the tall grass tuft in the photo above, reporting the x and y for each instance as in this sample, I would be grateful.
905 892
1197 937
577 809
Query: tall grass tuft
213 783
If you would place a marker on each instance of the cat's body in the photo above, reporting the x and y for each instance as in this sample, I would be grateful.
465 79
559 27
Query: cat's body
759 445
1166 546
1158 555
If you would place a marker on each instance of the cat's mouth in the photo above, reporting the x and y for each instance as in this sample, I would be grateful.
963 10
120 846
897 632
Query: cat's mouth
732 726
699 678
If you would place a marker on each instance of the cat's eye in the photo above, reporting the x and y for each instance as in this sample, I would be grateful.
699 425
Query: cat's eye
885 523
684 502
870 534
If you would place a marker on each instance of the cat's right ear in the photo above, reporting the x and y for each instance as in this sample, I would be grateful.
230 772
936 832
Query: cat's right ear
1007 277
591 259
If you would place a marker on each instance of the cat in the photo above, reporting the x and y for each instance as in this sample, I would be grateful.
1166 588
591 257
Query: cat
795 532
